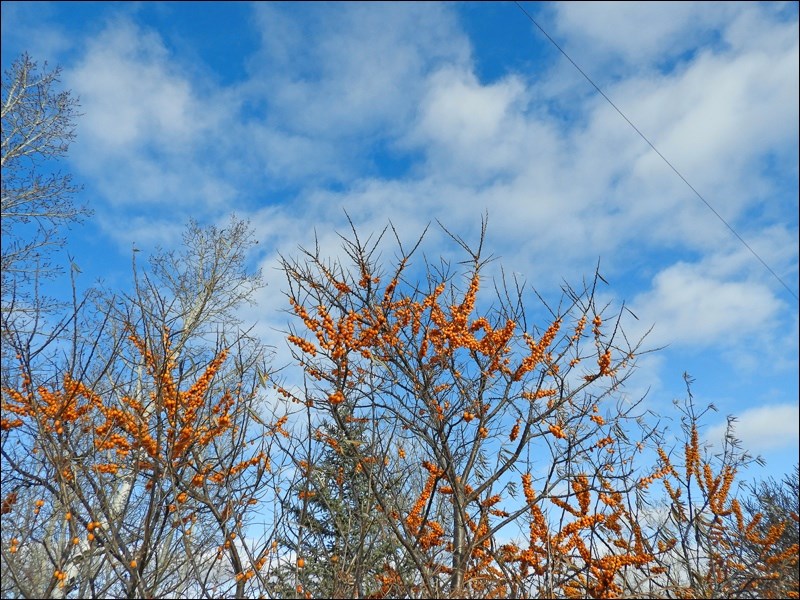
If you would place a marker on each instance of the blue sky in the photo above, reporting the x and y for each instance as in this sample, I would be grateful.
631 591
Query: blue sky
290 114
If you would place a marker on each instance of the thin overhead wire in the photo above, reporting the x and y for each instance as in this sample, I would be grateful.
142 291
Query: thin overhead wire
649 143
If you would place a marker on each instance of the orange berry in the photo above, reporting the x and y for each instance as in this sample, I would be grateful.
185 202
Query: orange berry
301 563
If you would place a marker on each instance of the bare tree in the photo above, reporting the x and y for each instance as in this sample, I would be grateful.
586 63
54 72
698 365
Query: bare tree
137 462
38 125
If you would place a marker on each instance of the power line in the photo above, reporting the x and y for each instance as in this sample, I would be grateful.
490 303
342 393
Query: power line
649 143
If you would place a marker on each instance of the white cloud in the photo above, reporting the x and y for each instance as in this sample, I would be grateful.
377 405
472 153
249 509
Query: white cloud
352 69
131 95
721 115
692 307
151 139
25 27
764 428
469 125
721 111
600 33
